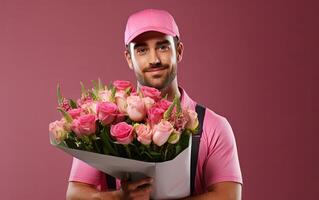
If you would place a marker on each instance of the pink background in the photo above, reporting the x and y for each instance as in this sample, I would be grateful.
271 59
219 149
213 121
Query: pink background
255 62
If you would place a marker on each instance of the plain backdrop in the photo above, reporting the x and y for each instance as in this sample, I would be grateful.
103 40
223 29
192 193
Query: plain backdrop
254 62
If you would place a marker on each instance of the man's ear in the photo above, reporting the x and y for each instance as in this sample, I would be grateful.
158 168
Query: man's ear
179 51
128 58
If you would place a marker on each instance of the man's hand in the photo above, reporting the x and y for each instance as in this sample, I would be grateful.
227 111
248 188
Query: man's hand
136 190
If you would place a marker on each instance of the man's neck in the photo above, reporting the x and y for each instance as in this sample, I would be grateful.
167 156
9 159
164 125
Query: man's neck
171 91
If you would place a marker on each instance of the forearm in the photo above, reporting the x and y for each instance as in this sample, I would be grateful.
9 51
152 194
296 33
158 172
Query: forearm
79 191
215 196
204 196
220 191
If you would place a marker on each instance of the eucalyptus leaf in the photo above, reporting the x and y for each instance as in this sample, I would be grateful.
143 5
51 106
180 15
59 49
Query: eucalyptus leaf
66 115
83 90
95 85
128 90
72 104
178 107
60 98
168 112
100 85
93 95
113 90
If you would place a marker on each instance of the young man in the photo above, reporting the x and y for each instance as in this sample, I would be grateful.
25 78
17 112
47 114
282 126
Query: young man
152 52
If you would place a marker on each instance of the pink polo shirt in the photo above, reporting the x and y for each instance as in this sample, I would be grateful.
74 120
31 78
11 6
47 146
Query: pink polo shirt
217 157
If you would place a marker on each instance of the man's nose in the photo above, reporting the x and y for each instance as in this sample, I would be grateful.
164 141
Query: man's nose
154 59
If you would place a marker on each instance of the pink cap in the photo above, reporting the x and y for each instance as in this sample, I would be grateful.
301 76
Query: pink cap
150 20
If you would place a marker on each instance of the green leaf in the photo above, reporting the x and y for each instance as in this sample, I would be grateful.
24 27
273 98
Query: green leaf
112 98
66 115
83 90
147 154
154 153
70 143
178 149
168 112
100 85
72 104
93 140
128 90
178 107
107 147
60 98
128 151
95 85
93 95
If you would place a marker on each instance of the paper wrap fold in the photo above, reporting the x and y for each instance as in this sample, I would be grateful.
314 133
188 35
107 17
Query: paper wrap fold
171 178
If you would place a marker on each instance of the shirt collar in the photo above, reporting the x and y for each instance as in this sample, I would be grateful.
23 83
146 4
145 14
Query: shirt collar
186 101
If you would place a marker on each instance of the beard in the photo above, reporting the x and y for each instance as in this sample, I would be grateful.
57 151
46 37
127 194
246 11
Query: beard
159 82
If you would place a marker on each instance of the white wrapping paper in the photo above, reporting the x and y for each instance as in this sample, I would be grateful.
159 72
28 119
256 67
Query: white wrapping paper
171 178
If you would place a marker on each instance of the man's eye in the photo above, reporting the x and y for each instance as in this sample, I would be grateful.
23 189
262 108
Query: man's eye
141 50
163 47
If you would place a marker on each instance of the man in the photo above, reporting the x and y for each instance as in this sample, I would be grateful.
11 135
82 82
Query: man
153 49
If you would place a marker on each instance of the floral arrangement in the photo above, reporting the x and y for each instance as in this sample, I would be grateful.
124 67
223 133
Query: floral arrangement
119 121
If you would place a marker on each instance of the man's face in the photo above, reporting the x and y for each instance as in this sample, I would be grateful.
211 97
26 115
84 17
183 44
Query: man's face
153 57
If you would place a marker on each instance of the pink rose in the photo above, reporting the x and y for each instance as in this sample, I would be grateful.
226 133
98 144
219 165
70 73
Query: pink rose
193 120
58 130
122 132
66 125
144 134
90 107
135 108
164 104
122 85
148 102
84 99
107 112
135 93
76 113
120 99
104 95
155 115
151 92
84 125
156 112
161 132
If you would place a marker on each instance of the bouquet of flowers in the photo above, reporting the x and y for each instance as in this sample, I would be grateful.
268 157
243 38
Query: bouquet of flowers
115 125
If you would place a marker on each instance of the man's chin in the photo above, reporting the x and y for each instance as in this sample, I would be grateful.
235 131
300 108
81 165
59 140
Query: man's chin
157 85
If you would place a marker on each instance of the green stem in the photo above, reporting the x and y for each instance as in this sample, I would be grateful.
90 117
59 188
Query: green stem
127 149
166 150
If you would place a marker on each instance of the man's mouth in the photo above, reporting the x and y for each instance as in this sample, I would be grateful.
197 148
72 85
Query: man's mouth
156 69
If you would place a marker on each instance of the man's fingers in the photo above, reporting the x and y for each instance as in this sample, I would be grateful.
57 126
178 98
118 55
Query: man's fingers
136 184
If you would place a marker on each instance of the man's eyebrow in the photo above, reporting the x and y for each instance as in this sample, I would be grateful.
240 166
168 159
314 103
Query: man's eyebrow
139 45
142 44
162 42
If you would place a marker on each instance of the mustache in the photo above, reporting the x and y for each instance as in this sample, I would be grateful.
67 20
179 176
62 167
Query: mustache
154 66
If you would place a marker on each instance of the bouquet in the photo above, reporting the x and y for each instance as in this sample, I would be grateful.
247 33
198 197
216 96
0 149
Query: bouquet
115 125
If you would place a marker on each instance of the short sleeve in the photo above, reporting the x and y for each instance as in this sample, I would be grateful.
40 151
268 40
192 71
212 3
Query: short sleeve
82 172
221 163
